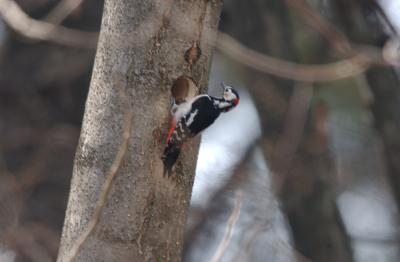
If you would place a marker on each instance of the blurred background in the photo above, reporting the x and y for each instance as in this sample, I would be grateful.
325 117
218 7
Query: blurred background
306 168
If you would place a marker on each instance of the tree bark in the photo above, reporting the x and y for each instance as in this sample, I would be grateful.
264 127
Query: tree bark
141 50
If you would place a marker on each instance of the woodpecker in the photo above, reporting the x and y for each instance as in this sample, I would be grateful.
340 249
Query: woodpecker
193 116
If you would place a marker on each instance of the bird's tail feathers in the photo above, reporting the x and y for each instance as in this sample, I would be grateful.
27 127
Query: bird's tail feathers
169 158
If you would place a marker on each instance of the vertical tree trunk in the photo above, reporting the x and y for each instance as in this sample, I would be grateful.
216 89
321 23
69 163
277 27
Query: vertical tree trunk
141 51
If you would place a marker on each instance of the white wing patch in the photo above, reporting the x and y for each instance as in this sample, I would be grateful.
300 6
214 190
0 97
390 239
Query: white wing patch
184 108
191 117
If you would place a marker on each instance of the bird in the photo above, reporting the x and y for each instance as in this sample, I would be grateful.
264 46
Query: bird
191 117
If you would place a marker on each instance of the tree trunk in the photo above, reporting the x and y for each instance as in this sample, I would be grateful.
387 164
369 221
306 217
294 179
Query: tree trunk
141 50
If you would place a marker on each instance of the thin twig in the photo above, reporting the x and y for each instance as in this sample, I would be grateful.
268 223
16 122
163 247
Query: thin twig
18 20
301 72
231 224
70 256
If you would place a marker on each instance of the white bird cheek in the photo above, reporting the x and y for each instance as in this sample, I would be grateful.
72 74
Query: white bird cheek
229 96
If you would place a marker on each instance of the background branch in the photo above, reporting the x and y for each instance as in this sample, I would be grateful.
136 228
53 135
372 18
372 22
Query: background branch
229 228
286 69
28 27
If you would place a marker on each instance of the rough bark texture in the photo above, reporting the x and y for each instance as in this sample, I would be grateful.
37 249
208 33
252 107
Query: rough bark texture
140 52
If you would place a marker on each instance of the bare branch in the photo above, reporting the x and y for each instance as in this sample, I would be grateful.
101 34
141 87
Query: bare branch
301 72
288 143
231 224
361 56
391 51
70 256
19 21
62 10
389 55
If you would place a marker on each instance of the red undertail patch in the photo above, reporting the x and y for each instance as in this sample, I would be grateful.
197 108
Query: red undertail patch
171 130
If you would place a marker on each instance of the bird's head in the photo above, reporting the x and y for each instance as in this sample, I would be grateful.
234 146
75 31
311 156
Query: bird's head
230 94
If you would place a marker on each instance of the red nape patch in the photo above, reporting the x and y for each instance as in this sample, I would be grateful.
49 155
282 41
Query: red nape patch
236 101
171 130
